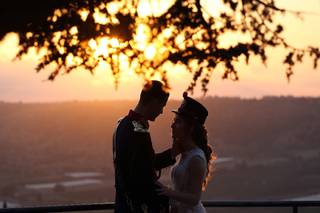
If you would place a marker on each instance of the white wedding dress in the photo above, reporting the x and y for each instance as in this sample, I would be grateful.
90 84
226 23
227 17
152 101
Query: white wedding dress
180 177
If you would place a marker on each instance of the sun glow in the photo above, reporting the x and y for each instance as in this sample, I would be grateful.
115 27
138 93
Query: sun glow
153 8
73 60
103 46
100 18
113 7
212 8
142 36
154 49
84 14
150 51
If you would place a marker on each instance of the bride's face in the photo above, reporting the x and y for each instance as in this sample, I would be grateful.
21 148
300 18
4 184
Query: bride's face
180 128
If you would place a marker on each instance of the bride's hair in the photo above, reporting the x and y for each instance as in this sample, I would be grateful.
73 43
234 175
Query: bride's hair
199 135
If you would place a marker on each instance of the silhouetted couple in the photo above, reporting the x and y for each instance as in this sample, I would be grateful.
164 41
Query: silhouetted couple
138 168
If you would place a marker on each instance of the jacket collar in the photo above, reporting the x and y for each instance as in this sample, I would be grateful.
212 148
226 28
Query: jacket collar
139 118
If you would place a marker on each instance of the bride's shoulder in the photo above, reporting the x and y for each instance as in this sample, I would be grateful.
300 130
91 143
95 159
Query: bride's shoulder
197 152
197 157
197 164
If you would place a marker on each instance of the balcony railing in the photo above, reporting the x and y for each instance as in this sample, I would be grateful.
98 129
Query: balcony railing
295 205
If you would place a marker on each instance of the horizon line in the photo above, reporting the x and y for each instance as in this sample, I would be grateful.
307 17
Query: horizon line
174 99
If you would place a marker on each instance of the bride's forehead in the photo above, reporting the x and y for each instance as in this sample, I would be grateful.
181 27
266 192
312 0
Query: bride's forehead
177 118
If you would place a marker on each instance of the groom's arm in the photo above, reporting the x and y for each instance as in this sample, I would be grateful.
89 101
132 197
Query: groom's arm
140 165
164 159
143 175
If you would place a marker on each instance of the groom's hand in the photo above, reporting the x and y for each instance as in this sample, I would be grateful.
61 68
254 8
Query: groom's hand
175 149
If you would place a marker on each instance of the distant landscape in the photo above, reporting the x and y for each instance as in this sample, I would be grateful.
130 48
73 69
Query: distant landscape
268 148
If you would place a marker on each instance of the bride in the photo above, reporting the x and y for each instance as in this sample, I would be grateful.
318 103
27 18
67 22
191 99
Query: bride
190 175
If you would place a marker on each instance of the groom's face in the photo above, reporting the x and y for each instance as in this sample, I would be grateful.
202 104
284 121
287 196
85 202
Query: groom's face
156 108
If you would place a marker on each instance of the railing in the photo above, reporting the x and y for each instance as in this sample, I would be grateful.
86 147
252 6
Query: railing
295 205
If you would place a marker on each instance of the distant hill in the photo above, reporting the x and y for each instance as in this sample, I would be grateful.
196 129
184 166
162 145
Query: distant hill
41 133
48 139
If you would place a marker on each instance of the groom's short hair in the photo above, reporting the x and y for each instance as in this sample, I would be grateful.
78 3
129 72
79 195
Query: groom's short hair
153 90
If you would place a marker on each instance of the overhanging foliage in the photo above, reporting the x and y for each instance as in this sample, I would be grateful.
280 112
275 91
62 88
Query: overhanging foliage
78 33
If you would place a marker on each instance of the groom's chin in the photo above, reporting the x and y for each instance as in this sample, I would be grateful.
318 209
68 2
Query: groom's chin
152 119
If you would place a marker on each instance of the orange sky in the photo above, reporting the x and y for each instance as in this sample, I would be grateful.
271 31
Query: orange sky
19 81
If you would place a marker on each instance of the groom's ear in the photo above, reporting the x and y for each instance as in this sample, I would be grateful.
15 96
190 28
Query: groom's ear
152 103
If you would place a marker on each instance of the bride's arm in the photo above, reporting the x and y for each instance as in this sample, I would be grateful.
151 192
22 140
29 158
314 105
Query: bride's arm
192 193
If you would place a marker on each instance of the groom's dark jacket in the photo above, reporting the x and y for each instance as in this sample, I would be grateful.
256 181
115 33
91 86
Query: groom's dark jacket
136 166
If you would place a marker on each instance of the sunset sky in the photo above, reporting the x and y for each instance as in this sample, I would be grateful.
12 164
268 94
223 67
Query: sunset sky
20 82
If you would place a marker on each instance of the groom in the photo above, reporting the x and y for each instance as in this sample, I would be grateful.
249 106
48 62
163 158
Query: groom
135 161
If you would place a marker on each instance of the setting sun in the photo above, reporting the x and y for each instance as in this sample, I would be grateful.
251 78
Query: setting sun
256 80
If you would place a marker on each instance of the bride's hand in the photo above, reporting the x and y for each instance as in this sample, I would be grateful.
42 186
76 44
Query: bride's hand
164 190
